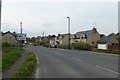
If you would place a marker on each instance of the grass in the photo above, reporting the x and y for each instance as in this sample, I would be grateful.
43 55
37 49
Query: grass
10 56
27 68
0 64
107 51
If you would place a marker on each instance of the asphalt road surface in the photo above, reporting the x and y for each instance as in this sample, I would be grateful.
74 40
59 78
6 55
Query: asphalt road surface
63 63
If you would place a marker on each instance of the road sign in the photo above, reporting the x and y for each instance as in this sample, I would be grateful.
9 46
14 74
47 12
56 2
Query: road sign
21 37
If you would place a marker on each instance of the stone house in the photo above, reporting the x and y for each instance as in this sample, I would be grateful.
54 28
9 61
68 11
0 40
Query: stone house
9 38
89 36
64 39
108 42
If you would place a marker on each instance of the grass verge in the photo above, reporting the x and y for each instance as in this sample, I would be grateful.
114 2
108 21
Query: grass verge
27 68
10 56
0 64
107 51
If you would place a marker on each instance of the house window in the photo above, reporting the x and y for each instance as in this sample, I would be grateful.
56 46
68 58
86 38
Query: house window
10 37
113 43
82 37
92 42
85 36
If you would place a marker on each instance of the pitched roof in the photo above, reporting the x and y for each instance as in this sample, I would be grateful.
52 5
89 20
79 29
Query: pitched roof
7 33
63 35
105 39
77 35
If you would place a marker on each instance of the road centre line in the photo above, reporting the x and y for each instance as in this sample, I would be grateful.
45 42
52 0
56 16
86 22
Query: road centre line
107 69
77 59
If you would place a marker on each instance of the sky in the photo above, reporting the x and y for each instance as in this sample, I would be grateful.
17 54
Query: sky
50 16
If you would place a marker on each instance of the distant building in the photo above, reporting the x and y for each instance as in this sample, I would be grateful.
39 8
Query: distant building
52 42
89 36
63 39
9 38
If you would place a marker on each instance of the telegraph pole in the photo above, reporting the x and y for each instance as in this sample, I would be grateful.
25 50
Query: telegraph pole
68 31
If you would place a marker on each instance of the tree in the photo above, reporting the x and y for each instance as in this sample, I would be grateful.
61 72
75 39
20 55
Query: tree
53 36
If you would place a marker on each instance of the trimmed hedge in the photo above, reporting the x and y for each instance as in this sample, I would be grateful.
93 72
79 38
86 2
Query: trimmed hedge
81 46
27 68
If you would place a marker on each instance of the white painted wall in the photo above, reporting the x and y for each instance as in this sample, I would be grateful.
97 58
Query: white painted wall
102 46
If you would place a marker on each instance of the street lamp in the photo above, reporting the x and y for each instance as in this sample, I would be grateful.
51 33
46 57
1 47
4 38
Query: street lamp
68 31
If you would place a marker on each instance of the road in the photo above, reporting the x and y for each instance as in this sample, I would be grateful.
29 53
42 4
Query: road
61 63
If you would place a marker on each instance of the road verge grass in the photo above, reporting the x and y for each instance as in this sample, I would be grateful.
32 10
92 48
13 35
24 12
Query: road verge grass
27 68
10 56
117 52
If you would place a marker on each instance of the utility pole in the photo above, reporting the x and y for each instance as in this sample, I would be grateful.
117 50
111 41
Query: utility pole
68 31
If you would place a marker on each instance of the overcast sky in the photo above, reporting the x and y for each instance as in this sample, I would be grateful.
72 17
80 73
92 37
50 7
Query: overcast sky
50 16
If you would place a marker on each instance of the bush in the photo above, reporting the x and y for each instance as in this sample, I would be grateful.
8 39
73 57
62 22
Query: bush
81 46
25 71
5 44
43 43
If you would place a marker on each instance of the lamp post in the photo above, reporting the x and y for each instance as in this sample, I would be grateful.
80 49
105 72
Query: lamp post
21 41
68 31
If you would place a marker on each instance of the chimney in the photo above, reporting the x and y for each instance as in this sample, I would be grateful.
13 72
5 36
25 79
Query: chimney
94 29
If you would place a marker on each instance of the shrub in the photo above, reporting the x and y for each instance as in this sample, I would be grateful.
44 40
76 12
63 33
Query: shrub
81 46
5 44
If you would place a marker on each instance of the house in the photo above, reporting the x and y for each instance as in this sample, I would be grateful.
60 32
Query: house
108 42
38 39
89 36
53 43
63 39
9 38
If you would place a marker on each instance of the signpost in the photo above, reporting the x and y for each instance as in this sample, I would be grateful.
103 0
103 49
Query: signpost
21 38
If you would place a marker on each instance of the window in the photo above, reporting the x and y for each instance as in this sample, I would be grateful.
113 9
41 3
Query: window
82 37
113 43
10 37
92 42
85 36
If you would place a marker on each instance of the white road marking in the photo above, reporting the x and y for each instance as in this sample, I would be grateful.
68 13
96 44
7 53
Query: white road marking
107 69
37 69
61 49
77 59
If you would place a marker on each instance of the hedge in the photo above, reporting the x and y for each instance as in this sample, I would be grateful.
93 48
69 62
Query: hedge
81 46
